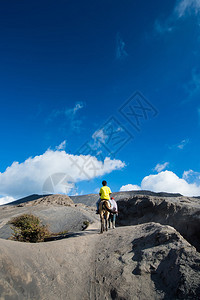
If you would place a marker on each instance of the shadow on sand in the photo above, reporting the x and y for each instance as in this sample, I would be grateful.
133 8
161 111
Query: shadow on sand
71 234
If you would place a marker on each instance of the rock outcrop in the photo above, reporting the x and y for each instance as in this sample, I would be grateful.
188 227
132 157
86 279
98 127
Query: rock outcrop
182 213
147 261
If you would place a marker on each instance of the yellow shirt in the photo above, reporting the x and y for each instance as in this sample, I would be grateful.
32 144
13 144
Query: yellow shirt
105 192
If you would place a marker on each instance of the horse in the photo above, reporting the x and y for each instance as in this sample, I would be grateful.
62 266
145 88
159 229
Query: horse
104 211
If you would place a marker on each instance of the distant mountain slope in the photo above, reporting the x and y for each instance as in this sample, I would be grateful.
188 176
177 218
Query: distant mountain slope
43 199
26 199
91 199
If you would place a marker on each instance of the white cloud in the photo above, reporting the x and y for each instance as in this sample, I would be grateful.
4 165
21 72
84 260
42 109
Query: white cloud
161 167
168 181
99 135
181 9
6 199
183 144
187 6
77 107
70 114
192 177
103 136
61 146
130 187
72 111
120 48
56 169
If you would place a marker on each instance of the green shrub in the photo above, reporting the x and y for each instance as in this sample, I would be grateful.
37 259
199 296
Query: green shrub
28 228
85 224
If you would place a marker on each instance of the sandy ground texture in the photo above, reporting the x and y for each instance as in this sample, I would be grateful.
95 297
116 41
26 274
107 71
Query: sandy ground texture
147 261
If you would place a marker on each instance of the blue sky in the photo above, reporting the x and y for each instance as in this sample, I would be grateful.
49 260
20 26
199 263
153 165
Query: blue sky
67 70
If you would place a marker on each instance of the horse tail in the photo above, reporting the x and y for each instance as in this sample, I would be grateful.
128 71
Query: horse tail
105 204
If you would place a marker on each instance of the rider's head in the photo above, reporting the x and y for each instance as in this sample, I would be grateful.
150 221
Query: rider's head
104 183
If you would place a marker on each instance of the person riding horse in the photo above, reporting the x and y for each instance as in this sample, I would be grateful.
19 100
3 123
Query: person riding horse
103 205
104 194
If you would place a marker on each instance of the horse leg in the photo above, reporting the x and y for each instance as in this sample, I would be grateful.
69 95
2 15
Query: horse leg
102 224
107 216
106 225
109 223
114 217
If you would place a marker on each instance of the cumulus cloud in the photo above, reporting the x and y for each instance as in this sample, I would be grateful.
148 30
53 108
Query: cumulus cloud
167 181
6 199
53 169
130 187
161 167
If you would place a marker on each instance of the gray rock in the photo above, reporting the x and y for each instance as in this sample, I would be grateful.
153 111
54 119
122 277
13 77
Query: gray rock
148 261
183 213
